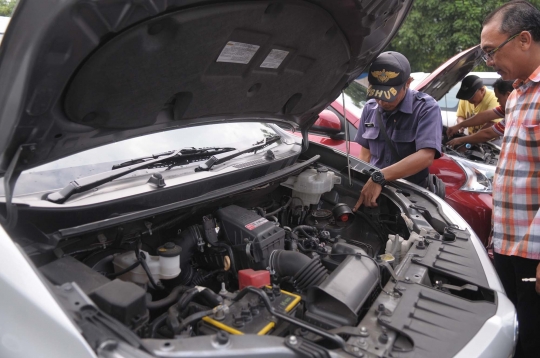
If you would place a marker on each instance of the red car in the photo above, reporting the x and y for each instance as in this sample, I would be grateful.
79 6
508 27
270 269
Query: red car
468 190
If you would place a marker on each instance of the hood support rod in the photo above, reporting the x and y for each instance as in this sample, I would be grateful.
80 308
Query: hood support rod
10 178
347 139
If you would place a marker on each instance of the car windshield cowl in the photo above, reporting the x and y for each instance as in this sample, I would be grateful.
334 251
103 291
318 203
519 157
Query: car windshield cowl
167 159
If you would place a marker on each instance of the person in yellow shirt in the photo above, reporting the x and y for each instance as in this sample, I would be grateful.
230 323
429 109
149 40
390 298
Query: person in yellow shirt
474 98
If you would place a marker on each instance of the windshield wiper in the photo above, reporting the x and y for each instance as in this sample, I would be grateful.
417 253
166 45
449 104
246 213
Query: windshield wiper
218 159
187 153
167 159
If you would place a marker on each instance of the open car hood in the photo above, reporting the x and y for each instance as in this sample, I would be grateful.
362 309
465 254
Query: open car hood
77 74
440 81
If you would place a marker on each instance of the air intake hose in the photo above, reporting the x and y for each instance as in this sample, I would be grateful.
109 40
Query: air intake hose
306 272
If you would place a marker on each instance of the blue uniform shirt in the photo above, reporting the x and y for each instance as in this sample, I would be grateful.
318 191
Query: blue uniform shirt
415 124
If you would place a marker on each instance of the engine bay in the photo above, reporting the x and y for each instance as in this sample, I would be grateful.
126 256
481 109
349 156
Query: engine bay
189 274
485 153
285 259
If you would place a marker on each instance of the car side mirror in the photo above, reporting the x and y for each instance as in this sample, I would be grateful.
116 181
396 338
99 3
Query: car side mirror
328 123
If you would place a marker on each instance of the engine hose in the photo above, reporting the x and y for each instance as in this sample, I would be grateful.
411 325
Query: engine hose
156 323
174 311
153 284
213 298
231 255
193 318
280 208
199 279
303 228
305 271
291 319
167 301
188 241
312 274
172 319
121 272
211 238
187 297
380 234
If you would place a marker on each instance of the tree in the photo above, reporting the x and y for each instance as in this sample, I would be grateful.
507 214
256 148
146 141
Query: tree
436 30
7 7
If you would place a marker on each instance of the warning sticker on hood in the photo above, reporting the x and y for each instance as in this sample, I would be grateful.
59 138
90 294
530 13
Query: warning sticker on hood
256 223
237 52
274 58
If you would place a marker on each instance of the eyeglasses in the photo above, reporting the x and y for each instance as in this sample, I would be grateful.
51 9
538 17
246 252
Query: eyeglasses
489 55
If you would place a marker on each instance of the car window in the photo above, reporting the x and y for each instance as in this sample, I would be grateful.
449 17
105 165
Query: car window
59 173
355 98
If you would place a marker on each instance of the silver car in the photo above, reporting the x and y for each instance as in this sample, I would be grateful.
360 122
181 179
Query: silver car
155 203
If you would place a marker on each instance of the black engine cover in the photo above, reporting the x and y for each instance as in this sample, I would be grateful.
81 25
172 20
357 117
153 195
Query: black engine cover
252 237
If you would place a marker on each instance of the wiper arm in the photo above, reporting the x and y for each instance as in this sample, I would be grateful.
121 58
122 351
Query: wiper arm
170 159
218 159
186 152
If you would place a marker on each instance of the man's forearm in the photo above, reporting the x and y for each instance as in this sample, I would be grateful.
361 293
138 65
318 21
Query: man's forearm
482 136
479 119
365 154
409 165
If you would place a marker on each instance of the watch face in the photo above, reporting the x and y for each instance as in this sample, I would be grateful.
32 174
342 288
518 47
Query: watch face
377 177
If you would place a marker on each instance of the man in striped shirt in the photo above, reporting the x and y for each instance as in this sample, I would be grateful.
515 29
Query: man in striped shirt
511 43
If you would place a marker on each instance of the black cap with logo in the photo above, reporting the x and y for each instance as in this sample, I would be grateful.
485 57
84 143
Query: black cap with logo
387 76
469 86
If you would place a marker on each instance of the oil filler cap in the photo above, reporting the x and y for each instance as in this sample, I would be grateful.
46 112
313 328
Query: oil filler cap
342 213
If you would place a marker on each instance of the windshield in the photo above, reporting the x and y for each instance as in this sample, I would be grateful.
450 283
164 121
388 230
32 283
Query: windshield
57 174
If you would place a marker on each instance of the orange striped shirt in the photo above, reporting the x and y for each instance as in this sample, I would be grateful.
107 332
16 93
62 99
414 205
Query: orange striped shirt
516 185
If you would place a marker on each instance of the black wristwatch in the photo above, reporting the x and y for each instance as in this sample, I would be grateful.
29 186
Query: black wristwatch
378 177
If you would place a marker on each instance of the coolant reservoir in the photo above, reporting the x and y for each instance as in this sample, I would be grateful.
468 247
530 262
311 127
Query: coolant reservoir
311 184
165 266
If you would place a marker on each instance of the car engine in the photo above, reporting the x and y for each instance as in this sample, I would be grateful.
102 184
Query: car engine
486 153
282 259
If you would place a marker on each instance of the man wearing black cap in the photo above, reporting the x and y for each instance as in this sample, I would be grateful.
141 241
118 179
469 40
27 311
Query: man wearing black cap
400 129
474 98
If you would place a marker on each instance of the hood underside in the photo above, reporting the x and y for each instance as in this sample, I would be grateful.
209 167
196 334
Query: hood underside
79 74
451 72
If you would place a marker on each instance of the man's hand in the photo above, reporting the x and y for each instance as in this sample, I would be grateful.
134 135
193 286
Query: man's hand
451 131
369 194
538 279
456 141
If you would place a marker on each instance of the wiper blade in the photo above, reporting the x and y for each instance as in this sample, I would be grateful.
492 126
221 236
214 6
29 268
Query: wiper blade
186 152
167 159
218 159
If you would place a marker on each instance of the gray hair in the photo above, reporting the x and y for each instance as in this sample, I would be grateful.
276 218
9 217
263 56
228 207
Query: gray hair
517 16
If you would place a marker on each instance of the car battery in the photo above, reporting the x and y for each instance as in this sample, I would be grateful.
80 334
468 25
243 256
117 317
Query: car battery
250 316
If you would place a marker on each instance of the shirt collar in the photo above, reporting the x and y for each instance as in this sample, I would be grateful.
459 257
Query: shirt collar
534 77
406 105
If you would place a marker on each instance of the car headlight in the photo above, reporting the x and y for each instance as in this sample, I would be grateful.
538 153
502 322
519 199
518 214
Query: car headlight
479 175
